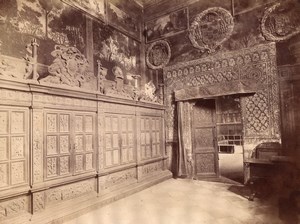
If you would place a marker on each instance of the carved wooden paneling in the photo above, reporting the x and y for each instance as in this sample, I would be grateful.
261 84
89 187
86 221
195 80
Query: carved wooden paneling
112 144
150 137
70 191
13 147
58 145
69 143
119 139
205 164
127 136
150 169
84 142
14 207
37 145
204 139
114 180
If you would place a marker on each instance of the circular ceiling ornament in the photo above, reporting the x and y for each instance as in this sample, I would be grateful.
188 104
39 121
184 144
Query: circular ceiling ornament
211 28
158 54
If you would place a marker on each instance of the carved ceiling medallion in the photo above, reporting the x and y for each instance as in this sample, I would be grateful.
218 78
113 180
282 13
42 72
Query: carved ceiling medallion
211 28
158 54
281 21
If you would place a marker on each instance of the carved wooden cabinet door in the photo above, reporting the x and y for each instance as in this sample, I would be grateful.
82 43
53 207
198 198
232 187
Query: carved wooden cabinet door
84 142
150 137
69 143
127 139
119 141
14 147
205 152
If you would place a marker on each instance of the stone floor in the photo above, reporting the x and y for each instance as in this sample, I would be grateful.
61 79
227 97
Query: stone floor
179 201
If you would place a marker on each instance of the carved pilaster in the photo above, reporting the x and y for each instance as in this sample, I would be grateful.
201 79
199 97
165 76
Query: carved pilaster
100 128
37 145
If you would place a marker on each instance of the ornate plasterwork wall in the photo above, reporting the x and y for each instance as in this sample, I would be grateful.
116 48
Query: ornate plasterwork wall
260 111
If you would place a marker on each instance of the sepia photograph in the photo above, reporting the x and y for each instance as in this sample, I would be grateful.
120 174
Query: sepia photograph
150 111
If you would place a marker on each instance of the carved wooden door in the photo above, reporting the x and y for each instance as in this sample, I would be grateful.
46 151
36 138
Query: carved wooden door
205 152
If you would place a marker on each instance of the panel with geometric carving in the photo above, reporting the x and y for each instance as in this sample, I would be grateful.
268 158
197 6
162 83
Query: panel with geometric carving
205 164
13 146
204 139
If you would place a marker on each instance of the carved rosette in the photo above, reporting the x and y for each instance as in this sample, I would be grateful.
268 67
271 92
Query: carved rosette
158 54
211 28
281 21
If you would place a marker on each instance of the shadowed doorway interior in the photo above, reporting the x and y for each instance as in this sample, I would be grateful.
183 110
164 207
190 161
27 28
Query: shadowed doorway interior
229 137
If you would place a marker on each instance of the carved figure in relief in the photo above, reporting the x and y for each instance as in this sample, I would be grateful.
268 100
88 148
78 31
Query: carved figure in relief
69 67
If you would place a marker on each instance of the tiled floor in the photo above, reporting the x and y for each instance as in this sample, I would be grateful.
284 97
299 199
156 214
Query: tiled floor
179 201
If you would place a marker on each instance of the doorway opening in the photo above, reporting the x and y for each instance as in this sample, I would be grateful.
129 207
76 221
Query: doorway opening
229 137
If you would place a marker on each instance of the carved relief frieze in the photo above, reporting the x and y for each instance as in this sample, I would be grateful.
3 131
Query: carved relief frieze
151 169
118 178
70 67
69 191
281 21
158 54
14 95
38 201
60 100
211 28
14 207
